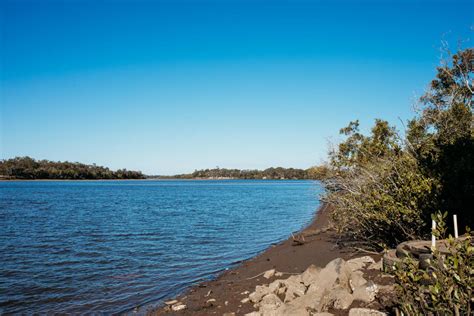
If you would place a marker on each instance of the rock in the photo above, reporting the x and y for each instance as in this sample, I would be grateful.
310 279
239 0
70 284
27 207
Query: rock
286 309
229 314
245 293
260 291
278 274
356 280
226 303
210 302
310 275
366 292
268 274
178 307
322 314
365 312
275 286
359 263
281 290
172 302
253 314
376 265
334 274
341 298
269 305
245 300
294 288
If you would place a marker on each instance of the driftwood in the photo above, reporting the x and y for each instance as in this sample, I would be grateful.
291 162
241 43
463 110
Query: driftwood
298 240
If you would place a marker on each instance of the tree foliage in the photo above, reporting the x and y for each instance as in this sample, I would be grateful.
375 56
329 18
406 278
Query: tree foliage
386 187
29 168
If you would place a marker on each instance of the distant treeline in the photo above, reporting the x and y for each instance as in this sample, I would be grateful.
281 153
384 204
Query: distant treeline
318 172
29 168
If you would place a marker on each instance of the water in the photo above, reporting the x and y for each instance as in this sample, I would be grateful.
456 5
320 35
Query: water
109 246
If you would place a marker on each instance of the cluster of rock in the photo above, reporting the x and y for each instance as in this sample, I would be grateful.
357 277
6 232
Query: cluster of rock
317 290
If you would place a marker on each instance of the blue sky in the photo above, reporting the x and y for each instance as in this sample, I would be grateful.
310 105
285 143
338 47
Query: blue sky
172 86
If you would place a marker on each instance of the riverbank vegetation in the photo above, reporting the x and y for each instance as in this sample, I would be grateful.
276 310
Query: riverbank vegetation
29 168
386 186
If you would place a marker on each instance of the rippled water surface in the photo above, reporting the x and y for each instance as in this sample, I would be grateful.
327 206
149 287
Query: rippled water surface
110 246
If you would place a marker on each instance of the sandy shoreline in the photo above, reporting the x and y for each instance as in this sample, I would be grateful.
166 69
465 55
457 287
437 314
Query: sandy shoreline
319 249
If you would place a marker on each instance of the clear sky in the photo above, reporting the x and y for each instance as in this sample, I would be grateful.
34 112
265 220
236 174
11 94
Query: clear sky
171 86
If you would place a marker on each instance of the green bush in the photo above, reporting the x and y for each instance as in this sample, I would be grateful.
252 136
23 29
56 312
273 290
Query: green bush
445 287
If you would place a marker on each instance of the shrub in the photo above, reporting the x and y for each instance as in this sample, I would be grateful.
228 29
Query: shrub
445 288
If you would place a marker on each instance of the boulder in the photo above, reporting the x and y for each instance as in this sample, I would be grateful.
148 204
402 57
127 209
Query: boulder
269 304
356 280
260 291
310 275
292 310
376 265
366 293
359 263
294 288
172 302
275 286
341 298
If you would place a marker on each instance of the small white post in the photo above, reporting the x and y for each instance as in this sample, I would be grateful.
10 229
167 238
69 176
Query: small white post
433 238
455 220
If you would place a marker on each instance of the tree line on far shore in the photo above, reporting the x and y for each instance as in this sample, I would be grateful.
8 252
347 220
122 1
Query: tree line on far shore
29 168
315 173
